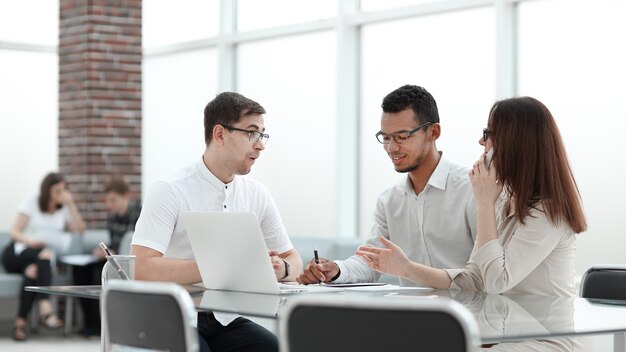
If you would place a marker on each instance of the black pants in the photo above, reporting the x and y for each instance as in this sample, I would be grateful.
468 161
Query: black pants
240 335
89 275
17 264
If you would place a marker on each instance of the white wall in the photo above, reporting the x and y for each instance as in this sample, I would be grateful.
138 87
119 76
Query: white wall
28 101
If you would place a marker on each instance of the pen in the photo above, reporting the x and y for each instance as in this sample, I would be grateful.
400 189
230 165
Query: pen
113 262
317 259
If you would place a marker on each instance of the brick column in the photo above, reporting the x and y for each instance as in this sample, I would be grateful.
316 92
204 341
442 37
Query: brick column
99 99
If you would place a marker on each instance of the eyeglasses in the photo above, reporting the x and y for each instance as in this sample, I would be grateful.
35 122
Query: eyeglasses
399 137
486 134
253 136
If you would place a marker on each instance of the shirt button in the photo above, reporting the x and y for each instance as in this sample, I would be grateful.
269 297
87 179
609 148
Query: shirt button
226 187
224 206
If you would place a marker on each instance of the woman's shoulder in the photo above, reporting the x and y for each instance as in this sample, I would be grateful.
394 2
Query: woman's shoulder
29 205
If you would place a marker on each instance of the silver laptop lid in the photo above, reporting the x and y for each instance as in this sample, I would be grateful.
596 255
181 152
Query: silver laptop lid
230 251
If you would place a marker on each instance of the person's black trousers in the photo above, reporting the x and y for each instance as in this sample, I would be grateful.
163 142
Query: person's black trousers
17 264
240 335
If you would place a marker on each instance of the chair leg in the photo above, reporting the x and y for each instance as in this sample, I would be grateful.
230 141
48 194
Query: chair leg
33 317
69 314
619 342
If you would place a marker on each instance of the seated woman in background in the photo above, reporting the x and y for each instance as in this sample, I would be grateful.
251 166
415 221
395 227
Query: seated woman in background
52 211
525 238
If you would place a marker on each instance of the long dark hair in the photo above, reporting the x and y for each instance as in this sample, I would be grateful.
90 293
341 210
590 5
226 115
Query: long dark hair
50 180
532 163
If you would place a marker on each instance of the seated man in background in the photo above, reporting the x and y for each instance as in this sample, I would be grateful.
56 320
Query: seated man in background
123 213
234 138
430 214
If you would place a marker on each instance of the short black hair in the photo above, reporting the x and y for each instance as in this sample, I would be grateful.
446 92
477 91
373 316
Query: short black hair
414 97
227 109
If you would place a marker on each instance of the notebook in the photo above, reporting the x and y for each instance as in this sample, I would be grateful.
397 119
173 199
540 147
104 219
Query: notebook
231 254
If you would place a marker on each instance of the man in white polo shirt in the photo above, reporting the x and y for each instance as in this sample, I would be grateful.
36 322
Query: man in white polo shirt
234 136
430 214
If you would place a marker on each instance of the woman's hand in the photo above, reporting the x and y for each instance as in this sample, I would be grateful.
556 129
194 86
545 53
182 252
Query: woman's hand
66 197
485 185
390 260
35 244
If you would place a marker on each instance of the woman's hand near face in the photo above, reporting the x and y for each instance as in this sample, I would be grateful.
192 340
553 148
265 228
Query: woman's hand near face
486 189
66 197
485 185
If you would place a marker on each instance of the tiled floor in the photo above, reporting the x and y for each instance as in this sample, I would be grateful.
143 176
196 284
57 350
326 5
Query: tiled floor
50 342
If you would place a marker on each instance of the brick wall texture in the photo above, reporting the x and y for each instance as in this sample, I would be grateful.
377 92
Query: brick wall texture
99 99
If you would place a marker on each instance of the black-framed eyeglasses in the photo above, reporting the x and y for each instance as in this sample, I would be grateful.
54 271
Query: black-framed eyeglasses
253 136
486 134
399 137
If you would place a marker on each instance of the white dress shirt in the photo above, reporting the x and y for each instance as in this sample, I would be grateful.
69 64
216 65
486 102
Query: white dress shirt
195 188
436 227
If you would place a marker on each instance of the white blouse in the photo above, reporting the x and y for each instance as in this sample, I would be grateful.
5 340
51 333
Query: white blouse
535 257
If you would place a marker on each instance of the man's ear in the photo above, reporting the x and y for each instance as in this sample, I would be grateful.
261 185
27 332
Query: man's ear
218 134
435 132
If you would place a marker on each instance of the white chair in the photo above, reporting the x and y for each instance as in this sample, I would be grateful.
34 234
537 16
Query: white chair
149 315
368 324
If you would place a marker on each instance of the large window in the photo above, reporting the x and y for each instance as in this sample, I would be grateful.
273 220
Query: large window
176 89
321 68
297 88
456 67
577 69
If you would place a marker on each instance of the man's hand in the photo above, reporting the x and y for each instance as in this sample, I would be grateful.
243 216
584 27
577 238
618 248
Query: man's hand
315 273
277 264
390 260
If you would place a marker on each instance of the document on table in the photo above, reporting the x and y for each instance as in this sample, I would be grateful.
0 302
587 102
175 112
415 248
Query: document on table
80 259
387 287
355 284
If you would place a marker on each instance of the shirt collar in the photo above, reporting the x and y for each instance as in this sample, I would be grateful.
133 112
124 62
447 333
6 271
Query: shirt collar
208 175
437 179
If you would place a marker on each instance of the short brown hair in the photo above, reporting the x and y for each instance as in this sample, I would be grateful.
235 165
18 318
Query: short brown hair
226 109
116 185
531 161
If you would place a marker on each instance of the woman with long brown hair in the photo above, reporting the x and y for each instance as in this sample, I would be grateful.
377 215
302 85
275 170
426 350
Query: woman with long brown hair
528 211
52 211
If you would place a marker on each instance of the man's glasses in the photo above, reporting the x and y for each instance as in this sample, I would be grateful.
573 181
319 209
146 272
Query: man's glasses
486 134
399 137
253 136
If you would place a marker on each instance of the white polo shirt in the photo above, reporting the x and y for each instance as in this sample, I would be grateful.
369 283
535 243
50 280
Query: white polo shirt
195 188
436 227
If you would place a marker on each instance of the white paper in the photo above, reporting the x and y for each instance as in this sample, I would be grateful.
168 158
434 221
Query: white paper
79 259
388 287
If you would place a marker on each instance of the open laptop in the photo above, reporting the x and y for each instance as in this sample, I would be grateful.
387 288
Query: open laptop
231 254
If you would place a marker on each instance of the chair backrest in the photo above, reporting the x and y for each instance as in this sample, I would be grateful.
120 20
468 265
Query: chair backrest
376 324
149 315
5 238
125 242
604 281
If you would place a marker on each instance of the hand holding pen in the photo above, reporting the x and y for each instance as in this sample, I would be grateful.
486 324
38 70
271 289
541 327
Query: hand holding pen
318 270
